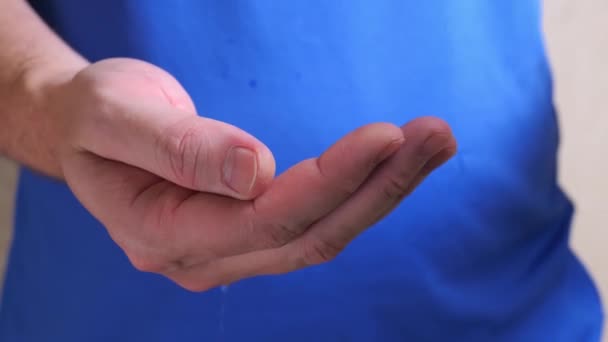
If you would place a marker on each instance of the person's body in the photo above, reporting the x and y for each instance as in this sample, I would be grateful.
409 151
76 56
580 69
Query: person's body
121 173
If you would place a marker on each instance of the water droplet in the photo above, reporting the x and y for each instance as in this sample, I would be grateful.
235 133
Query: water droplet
223 294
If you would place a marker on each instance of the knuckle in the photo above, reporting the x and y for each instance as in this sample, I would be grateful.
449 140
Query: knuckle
280 234
99 99
321 251
181 149
157 224
163 213
100 88
102 91
395 188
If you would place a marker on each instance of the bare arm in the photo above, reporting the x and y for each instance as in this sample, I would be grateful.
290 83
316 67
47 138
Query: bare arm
33 60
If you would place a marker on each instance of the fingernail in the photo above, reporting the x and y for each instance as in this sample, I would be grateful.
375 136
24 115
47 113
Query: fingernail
240 169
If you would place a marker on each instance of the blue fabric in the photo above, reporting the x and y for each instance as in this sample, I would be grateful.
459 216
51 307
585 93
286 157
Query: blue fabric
478 253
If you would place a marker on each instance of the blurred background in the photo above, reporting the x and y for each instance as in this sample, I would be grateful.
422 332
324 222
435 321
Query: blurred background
577 41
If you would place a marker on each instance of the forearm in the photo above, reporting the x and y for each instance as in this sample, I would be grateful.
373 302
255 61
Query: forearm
33 60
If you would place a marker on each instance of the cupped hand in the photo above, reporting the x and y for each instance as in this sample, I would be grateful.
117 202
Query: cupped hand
196 200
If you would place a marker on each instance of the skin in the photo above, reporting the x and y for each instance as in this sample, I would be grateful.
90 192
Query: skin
179 193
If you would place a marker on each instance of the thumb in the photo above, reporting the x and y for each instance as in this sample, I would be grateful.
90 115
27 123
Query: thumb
194 152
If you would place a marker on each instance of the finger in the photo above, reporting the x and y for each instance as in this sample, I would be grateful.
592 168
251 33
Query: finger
215 227
153 220
170 226
429 144
197 153
146 119
314 187
381 194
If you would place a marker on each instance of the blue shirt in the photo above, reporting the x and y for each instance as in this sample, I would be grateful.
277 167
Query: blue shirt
478 253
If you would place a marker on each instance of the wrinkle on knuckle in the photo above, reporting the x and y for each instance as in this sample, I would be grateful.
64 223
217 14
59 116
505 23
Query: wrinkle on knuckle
321 251
181 148
158 222
395 188
155 231
280 233
182 264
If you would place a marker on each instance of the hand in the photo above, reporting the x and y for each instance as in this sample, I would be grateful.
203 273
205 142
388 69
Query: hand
194 199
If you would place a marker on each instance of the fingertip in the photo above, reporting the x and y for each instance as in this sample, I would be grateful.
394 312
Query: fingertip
389 130
432 135
428 124
386 136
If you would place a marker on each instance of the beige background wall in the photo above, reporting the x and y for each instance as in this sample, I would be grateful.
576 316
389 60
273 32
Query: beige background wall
577 38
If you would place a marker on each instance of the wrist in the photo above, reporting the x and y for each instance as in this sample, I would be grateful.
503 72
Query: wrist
34 117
